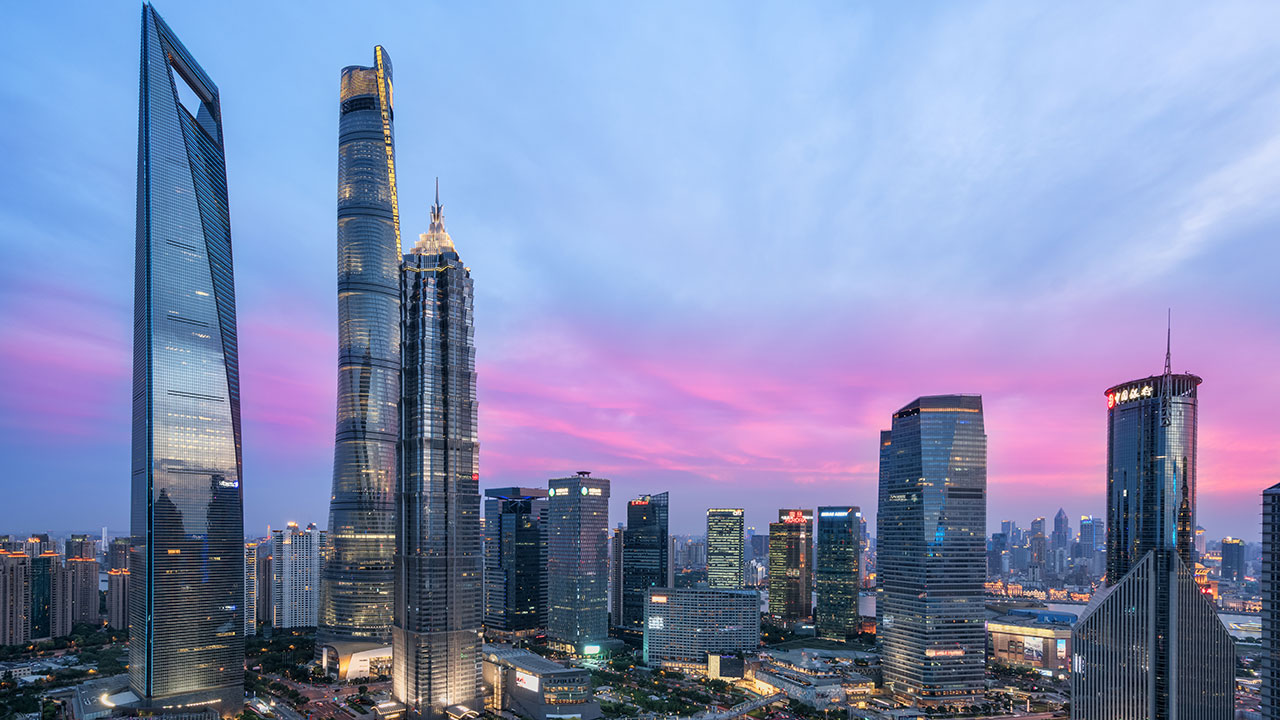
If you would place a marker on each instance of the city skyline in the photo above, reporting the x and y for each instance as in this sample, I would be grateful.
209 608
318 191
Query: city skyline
617 404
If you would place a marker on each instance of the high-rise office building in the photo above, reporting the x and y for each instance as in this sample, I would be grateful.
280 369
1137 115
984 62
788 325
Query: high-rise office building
263 582
615 575
1091 533
515 562
51 595
295 575
997 554
118 599
1269 670
577 562
251 590
837 572
1061 537
187 521
1150 644
356 588
15 597
683 625
439 602
931 565
726 549
646 556
791 565
1233 559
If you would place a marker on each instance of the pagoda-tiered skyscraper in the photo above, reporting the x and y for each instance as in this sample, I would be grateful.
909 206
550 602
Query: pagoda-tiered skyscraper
439 543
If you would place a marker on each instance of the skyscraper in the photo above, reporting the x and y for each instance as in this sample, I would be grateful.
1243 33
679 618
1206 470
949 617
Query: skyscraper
1233 559
1061 538
515 562
1090 533
438 597
791 565
1270 656
356 589
646 556
118 554
930 530
726 549
577 562
187 522
251 590
295 575
1150 645
118 599
836 572
615 575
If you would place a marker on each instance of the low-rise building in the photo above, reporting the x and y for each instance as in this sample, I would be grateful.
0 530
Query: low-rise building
529 685
1032 638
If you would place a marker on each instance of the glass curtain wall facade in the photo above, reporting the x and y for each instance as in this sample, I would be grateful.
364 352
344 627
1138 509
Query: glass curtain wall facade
577 561
438 560
837 572
1151 621
1270 587
356 589
646 555
515 562
187 523
791 565
726 549
931 559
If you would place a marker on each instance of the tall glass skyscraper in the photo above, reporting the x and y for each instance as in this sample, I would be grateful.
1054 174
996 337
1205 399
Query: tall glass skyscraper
931 562
837 572
791 565
1270 665
1151 645
438 598
515 562
185 605
577 562
726 549
355 608
646 555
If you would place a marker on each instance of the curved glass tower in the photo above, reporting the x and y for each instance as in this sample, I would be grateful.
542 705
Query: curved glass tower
187 554
436 636
355 609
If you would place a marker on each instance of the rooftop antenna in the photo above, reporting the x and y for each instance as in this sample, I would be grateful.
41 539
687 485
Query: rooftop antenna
1166 382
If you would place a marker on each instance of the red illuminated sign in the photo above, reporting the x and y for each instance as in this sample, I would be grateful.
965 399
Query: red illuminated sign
795 517
1111 400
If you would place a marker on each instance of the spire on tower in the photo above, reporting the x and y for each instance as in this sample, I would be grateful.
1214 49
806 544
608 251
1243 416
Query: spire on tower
1168 338
1166 382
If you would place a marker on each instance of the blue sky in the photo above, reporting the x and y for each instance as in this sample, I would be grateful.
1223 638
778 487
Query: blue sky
715 245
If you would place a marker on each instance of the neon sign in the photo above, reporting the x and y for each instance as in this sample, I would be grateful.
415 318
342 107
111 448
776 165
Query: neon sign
795 517
1129 394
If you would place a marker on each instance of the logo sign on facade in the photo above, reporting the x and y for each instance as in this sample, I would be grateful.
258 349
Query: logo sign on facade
1129 394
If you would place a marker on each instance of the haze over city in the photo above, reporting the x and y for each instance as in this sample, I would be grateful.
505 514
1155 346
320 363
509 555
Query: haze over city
715 248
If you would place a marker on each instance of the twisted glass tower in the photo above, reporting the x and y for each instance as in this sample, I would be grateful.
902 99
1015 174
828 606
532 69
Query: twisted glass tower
187 555
355 612
438 560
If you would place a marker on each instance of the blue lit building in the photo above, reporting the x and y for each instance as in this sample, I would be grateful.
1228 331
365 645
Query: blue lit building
185 606
837 572
931 557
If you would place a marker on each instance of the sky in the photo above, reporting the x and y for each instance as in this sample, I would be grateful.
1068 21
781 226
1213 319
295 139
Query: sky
715 245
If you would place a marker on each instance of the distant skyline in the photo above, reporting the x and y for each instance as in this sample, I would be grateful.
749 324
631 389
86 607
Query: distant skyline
715 246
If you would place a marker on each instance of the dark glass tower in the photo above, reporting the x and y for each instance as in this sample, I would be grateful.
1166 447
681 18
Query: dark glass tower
791 565
355 608
931 561
837 572
1150 645
187 523
1270 656
726 549
577 562
515 562
438 598
646 556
